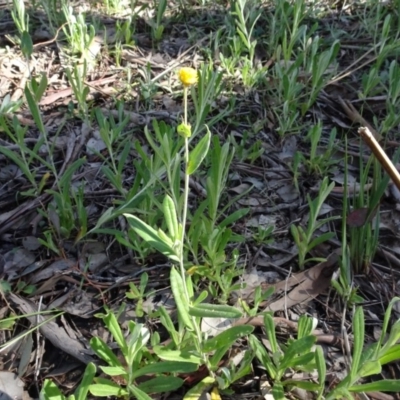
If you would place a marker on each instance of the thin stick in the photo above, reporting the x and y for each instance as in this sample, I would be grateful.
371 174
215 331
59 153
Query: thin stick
380 155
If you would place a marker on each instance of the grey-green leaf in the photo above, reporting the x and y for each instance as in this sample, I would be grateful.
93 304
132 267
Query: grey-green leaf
214 311
197 155
150 235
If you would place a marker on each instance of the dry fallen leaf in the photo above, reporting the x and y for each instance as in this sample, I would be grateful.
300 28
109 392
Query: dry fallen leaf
12 387
305 285
51 331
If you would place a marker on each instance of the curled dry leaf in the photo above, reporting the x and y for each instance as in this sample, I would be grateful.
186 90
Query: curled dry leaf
51 331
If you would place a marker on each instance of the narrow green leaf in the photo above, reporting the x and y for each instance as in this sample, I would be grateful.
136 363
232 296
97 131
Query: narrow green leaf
26 44
196 391
270 331
262 355
204 310
342 393
104 352
387 319
151 236
161 384
299 346
305 326
321 366
277 391
41 87
301 384
168 324
217 356
164 367
35 111
295 233
139 394
177 355
305 360
227 337
238 214
21 164
320 239
178 290
83 388
51 391
149 138
107 388
392 354
107 216
113 326
358 330
165 238
113 371
385 385
189 286
368 368
170 217
66 178
197 155
393 338
201 297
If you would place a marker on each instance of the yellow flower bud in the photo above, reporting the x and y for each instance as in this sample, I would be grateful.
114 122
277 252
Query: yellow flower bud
188 76
185 130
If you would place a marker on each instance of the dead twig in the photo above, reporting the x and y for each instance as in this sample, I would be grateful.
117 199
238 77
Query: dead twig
356 117
380 154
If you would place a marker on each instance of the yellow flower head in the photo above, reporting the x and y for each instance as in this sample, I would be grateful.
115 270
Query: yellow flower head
188 76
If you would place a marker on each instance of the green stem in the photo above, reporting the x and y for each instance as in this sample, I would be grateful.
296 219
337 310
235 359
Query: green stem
186 161
184 216
185 95
186 196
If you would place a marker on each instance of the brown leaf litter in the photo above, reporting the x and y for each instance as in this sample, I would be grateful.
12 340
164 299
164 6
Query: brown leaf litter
85 276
